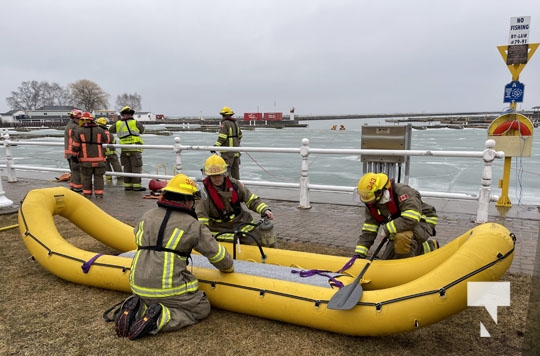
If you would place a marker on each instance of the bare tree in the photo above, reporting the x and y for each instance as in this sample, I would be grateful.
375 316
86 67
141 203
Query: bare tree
27 97
88 95
131 100
54 94
32 95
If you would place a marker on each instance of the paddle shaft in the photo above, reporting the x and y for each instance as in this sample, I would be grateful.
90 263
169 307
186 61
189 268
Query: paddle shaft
377 250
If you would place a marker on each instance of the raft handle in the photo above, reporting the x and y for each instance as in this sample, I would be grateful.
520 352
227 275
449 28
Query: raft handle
442 292
262 292
378 307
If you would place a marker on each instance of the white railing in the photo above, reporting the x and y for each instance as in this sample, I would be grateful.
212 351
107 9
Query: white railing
304 186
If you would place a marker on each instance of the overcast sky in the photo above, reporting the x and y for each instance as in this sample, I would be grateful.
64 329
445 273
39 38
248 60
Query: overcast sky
187 58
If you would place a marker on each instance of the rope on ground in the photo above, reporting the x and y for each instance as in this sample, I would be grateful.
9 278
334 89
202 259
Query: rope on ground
9 227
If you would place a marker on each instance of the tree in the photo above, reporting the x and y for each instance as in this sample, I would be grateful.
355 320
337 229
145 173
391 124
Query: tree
131 100
55 95
88 95
32 95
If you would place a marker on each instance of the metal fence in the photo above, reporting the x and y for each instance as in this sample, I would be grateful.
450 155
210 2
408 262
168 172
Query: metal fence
304 187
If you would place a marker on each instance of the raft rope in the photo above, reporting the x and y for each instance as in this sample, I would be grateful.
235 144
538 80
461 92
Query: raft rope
332 280
8 227
51 252
86 266
237 233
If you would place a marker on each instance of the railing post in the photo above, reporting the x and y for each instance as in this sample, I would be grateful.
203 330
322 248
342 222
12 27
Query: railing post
12 177
6 205
178 151
485 190
304 176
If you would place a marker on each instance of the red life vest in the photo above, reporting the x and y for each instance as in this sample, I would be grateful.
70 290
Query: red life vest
393 207
218 203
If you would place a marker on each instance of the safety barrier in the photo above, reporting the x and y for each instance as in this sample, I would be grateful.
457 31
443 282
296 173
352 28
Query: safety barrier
488 155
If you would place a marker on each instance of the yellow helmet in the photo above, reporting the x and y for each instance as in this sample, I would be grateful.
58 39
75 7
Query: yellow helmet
182 184
370 186
126 110
226 111
214 165
102 121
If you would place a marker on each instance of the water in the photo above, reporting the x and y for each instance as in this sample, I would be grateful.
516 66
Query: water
456 175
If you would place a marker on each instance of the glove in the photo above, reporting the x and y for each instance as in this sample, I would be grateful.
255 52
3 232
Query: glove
360 255
402 242
75 159
213 152
111 147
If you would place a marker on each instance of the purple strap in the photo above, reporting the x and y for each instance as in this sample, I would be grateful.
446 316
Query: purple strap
348 264
86 266
333 282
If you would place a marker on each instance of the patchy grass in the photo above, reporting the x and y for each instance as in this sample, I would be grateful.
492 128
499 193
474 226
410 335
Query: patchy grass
44 315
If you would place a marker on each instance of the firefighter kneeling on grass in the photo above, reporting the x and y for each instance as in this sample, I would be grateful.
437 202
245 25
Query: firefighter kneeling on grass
166 295
222 211
397 211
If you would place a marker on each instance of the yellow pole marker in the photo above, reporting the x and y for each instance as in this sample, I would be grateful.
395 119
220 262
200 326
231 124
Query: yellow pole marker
515 70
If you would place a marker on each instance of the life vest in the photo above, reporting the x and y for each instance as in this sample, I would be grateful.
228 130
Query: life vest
128 133
88 153
218 203
392 206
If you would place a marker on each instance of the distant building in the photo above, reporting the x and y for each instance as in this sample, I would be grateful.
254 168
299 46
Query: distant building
12 116
144 116
112 115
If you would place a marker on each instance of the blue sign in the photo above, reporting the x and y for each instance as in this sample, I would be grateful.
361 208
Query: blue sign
513 92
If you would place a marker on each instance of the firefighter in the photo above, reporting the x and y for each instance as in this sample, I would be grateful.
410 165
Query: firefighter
222 211
112 163
129 132
88 143
397 211
166 295
229 135
75 182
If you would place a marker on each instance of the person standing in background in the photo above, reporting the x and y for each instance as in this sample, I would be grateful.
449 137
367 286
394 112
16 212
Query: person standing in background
88 144
129 132
75 183
112 162
230 135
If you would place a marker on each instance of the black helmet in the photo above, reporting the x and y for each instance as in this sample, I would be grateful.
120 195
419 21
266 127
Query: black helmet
126 110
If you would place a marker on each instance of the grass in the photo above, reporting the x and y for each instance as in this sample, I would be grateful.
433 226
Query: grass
44 315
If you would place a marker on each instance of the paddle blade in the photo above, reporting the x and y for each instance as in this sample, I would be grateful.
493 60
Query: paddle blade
346 298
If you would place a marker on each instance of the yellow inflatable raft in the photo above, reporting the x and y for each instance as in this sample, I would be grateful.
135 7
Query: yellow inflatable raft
398 295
